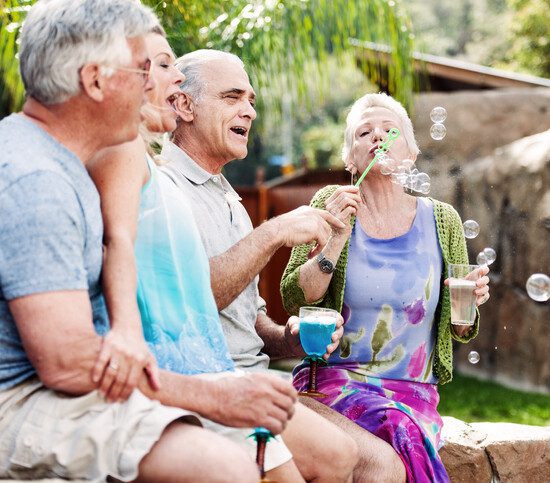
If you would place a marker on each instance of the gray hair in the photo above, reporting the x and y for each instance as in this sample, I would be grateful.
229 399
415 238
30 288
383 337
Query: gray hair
377 100
59 37
190 66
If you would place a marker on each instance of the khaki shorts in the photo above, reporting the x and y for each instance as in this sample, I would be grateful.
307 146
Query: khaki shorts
45 434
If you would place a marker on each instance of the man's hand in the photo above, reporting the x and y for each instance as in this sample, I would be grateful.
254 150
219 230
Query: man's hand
304 225
249 400
292 335
121 361
343 204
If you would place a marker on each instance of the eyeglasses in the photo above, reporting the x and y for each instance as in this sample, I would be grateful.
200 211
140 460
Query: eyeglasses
145 73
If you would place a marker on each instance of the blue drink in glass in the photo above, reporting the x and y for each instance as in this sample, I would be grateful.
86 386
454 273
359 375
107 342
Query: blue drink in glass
316 327
316 334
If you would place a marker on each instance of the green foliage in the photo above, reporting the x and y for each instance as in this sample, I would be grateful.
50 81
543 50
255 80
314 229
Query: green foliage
530 37
473 400
275 38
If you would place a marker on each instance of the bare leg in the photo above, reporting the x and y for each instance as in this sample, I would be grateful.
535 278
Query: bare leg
286 473
186 453
322 452
378 461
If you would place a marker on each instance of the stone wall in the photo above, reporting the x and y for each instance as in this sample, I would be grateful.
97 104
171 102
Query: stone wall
507 191
495 452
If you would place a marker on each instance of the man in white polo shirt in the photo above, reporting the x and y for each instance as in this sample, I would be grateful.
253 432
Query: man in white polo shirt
215 119
215 116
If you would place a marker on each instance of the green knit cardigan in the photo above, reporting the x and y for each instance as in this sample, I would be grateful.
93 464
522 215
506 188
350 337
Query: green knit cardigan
453 247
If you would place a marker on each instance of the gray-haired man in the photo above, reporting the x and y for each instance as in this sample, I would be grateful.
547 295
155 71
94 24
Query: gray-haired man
85 69
216 113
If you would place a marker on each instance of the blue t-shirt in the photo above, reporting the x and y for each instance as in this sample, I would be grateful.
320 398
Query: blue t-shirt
50 232
392 291
178 312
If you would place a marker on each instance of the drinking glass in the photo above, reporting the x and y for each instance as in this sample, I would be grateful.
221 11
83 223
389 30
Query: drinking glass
462 283
316 327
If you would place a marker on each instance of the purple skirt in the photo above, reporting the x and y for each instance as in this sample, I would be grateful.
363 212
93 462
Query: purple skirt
402 413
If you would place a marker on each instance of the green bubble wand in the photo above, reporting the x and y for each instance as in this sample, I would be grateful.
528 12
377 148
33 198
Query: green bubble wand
393 134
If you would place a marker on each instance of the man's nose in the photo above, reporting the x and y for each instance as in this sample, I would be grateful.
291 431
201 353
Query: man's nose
248 110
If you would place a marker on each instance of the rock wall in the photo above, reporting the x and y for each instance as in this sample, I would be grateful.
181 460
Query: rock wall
507 191
495 452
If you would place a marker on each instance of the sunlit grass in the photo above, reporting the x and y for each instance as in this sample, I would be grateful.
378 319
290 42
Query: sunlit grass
473 400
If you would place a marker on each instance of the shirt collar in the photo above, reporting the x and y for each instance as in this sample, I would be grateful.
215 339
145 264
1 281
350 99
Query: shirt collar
183 163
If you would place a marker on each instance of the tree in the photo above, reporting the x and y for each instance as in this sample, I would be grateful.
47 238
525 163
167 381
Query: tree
275 38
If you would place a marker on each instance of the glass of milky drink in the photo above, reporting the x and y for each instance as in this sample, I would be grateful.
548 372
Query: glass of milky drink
462 283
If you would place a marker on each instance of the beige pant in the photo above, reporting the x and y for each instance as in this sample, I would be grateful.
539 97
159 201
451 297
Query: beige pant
46 434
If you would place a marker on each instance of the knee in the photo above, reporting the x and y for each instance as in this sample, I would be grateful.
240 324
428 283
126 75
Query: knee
382 464
340 460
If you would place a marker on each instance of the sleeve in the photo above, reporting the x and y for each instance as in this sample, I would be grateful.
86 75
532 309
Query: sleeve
42 237
291 293
459 254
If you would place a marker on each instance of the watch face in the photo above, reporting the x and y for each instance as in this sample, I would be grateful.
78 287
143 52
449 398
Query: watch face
326 266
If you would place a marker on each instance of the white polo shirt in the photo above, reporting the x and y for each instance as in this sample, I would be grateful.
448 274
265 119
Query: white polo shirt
222 221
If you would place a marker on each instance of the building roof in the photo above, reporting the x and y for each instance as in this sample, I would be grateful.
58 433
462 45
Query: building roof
444 74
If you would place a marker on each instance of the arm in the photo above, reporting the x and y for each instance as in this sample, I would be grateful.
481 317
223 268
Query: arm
459 254
63 348
119 174
234 269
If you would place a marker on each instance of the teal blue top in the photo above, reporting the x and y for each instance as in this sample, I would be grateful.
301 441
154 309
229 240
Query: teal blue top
178 312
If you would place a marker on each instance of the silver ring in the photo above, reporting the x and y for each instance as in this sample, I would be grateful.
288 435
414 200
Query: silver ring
114 366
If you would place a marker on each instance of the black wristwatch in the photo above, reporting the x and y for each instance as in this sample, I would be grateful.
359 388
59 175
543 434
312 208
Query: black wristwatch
325 264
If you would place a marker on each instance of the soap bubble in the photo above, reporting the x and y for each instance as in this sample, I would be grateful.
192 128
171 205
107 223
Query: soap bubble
473 357
471 228
538 287
438 131
408 163
482 259
438 114
490 254
424 188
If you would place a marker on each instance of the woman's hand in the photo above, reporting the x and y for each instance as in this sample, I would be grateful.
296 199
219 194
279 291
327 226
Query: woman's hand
481 291
122 358
343 204
292 334
482 286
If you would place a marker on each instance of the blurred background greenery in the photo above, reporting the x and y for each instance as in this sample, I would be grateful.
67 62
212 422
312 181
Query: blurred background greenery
301 62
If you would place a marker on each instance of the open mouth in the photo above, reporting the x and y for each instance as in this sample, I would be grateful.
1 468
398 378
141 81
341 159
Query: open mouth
171 99
241 131
372 150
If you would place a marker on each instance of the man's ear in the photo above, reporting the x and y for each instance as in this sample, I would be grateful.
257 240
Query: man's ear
185 107
92 82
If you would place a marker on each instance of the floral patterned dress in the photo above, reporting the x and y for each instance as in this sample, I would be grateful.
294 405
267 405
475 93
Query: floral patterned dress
381 377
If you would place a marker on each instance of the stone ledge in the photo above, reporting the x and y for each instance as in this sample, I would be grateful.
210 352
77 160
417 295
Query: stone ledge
495 452
487 452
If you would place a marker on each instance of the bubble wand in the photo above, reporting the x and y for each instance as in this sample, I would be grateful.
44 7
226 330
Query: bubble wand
393 134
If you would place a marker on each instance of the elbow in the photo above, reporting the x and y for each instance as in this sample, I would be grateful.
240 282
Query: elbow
75 381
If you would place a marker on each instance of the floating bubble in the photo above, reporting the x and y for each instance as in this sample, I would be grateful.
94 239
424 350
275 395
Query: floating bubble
490 254
538 287
408 163
438 131
473 357
481 259
425 188
471 228
438 114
